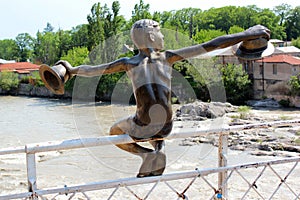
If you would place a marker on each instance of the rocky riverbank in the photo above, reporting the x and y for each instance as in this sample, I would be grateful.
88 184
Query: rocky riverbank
32 91
267 141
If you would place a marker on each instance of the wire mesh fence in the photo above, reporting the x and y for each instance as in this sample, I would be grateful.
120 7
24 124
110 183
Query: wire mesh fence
276 179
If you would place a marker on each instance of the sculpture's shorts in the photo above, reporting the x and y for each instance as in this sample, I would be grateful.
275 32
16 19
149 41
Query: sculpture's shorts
150 131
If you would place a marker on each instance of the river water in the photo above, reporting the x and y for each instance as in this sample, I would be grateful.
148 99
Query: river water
26 120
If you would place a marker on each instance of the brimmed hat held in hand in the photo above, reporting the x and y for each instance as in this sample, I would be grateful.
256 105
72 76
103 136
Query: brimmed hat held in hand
253 49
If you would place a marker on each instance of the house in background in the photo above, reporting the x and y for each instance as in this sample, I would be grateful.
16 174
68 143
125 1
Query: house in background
278 43
21 68
289 50
2 61
271 74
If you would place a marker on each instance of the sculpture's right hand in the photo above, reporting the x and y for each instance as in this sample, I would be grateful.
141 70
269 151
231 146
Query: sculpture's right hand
66 64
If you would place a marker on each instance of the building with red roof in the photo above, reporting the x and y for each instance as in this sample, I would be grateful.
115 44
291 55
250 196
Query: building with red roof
271 74
19 67
281 58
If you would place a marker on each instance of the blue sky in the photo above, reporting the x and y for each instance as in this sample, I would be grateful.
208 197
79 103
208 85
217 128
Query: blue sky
20 16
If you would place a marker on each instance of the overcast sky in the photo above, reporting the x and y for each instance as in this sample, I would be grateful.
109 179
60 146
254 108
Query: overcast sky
29 16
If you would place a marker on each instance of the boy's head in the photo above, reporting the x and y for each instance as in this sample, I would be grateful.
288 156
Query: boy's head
146 33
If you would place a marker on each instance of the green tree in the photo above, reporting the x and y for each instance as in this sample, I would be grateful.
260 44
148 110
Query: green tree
107 25
184 20
140 11
235 29
156 16
268 18
65 41
46 48
105 41
8 80
79 35
296 42
25 45
283 11
206 35
165 17
96 23
293 24
219 18
113 22
209 81
236 83
9 49
200 74
245 16
76 56
294 84
49 28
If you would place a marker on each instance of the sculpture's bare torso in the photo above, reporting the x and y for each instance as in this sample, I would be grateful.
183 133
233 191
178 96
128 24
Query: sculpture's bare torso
151 82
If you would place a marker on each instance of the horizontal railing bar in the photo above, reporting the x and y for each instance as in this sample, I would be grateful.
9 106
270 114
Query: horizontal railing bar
12 150
16 196
260 164
121 139
119 182
166 177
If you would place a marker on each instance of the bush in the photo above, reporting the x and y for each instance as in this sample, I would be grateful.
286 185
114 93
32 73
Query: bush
8 80
294 84
284 102
36 79
244 111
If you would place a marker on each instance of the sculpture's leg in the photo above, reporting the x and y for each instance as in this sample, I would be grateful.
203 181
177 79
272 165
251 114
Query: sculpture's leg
123 127
148 155
154 161
159 163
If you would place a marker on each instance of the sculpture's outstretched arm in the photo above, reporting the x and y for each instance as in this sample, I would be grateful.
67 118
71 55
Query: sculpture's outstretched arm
218 43
89 71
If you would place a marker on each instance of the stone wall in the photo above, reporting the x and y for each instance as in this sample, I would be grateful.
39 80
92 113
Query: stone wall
294 100
30 90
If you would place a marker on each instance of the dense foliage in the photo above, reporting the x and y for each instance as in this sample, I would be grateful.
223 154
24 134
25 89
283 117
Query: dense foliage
105 28
8 80
294 84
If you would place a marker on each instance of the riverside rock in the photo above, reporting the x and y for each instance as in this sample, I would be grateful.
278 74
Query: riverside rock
265 141
269 103
199 110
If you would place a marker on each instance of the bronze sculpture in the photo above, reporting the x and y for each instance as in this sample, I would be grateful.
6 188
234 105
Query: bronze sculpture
150 74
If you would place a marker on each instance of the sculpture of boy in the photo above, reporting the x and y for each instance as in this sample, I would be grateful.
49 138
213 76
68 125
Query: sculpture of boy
150 74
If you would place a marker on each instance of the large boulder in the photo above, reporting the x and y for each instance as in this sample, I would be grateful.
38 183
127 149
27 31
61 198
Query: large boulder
199 110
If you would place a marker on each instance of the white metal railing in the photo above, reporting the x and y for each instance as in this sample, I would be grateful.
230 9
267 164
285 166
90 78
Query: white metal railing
219 191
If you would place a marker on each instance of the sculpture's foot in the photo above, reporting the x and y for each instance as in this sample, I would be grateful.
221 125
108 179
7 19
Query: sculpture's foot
153 164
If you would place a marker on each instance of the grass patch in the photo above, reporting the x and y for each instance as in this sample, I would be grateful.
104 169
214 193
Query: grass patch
297 141
244 111
284 117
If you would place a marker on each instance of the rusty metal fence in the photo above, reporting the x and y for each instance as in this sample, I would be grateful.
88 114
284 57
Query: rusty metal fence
222 182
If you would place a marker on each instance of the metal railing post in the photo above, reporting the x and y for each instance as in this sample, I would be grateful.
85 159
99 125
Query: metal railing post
31 174
222 158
